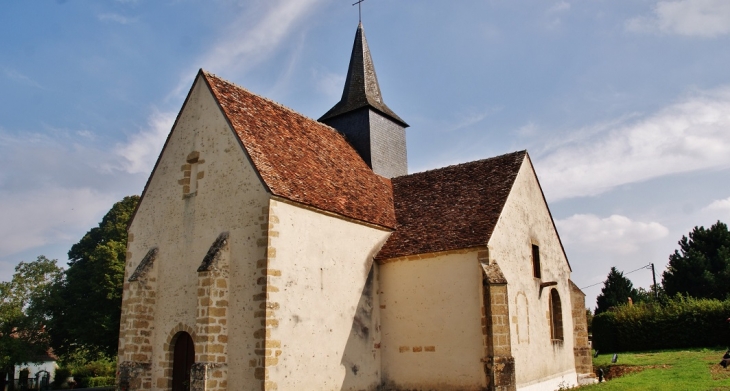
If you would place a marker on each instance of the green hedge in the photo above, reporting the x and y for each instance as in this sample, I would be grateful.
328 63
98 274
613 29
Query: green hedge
670 324
89 374
101 381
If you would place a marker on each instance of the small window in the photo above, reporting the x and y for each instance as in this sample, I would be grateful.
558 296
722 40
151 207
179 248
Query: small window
536 261
556 316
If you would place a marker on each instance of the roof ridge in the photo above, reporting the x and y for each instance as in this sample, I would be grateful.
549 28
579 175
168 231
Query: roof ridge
522 151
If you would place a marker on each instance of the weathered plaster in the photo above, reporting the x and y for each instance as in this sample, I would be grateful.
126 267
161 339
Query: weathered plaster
431 312
182 222
322 301
525 220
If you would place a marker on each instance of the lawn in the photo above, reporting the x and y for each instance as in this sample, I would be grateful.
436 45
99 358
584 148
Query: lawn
695 369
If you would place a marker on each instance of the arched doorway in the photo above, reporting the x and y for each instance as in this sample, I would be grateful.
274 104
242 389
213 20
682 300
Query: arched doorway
183 358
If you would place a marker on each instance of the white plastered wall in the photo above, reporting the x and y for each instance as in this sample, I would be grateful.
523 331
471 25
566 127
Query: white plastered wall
230 197
525 220
326 306
431 312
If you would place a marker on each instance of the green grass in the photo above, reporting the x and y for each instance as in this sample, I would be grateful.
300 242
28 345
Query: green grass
680 370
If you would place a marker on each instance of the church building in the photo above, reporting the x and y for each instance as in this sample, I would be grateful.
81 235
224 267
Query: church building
270 251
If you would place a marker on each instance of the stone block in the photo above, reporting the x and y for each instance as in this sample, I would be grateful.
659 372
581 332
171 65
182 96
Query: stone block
217 348
261 373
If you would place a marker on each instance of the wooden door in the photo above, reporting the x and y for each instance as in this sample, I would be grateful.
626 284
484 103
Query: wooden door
182 362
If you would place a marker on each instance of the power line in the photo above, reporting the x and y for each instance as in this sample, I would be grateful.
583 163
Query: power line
636 270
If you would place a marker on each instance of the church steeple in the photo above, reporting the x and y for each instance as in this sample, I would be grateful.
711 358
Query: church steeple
372 128
361 86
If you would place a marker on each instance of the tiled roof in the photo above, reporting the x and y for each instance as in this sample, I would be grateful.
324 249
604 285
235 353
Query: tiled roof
450 208
303 160
361 85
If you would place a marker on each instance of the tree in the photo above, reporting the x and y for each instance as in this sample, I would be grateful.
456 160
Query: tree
22 321
616 291
86 305
701 266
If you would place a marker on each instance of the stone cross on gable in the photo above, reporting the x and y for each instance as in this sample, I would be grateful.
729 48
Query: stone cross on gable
359 9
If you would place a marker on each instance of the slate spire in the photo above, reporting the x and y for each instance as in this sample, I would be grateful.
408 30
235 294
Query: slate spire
371 127
361 85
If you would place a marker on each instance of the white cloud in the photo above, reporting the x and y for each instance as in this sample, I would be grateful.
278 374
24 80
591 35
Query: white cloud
112 17
12 74
690 135
330 84
697 18
250 39
471 117
246 44
616 233
528 130
54 190
140 153
722 206
47 215
559 7
554 12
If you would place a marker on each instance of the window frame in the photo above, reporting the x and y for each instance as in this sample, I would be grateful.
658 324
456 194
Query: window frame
536 266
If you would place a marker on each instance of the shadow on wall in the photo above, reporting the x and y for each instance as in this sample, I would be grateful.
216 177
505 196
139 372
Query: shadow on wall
361 357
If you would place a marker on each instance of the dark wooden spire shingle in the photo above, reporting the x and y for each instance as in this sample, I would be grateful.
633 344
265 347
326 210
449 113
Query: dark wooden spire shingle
361 85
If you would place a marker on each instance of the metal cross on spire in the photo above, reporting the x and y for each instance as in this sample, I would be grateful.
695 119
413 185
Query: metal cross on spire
359 9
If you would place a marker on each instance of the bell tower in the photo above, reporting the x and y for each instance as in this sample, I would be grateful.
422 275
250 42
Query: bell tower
371 127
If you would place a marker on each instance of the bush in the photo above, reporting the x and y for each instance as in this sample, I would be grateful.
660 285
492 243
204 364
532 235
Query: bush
676 323
62 373
101 381
84 373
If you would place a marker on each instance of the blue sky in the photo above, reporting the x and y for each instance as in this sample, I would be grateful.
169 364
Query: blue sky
623 105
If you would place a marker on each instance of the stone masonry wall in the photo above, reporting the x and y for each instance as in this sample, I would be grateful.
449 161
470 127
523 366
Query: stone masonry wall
211 356
137 324
499 363
267 349
581 347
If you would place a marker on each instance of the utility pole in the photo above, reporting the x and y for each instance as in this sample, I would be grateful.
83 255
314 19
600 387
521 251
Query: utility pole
653 275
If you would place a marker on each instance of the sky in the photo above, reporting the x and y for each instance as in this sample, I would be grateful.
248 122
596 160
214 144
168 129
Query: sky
623 105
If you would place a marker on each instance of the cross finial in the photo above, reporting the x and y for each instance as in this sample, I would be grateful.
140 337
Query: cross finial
359 9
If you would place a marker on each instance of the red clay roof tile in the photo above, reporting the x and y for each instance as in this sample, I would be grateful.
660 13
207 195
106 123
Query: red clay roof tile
450 208
303 160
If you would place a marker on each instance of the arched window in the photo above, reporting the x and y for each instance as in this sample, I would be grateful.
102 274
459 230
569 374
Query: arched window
556 316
